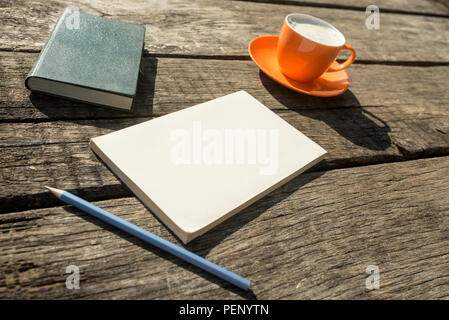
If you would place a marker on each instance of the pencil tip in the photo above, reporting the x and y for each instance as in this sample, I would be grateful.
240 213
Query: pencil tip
55 191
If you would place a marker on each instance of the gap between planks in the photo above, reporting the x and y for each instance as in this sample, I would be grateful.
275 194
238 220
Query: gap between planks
347 7
413 121
120 191
30 28
323 229
398 63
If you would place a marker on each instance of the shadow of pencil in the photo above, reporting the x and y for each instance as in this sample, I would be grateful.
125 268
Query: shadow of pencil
162 254
206 242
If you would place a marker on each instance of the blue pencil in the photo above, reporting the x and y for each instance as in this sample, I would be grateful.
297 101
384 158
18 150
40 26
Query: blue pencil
151 238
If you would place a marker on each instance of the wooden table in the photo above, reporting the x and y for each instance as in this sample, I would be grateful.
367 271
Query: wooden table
380 198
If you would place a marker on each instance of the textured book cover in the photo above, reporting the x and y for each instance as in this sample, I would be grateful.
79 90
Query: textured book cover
91 59
197 167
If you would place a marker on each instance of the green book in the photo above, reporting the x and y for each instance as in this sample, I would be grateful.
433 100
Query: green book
91 59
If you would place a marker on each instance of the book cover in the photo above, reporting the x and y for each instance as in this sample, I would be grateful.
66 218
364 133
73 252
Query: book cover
91 59
196 167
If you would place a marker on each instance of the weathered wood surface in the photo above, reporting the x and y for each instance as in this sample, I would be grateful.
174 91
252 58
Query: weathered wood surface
312 238
57 152
379 120
220 28
422 7
170 84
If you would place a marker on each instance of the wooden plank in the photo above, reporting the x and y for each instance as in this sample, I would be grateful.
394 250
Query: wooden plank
312 238
170 84
424 7
56 153
215 27
383 113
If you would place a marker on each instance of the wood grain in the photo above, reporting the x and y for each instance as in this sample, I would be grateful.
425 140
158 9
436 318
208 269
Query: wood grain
223 28
56 153
382 118
170 84
423 7
312 238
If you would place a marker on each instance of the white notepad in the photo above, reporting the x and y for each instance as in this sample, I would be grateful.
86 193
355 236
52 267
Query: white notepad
196 167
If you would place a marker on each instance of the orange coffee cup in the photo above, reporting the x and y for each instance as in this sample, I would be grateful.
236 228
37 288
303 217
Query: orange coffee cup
307 46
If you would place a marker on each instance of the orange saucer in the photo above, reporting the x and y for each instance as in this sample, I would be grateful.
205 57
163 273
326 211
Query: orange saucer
263 52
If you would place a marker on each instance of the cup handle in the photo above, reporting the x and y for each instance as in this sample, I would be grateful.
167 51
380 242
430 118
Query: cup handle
348 62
